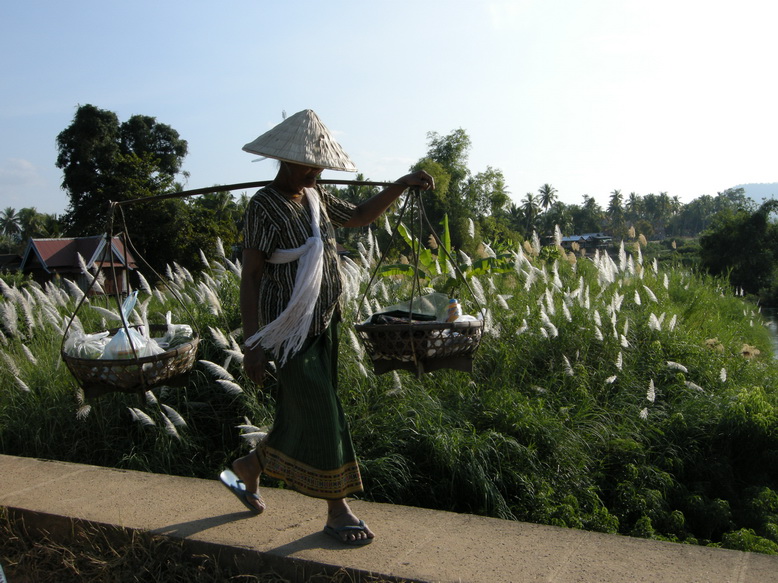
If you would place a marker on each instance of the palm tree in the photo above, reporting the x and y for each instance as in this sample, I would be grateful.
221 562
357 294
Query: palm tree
530 208
547 196
9 222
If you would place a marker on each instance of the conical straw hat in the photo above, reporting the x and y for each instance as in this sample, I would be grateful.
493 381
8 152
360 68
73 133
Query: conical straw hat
303 139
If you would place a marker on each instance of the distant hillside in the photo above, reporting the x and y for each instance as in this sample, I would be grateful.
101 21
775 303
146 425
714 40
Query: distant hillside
761 191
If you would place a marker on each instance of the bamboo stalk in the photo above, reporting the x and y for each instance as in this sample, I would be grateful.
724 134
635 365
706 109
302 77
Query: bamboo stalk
239 186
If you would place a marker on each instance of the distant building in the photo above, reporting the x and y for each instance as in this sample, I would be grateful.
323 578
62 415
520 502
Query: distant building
587 241
46 259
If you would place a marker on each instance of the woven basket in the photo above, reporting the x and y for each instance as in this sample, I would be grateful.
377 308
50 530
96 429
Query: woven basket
98 376
421 346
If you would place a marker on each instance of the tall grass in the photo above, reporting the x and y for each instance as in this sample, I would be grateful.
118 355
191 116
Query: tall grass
608 394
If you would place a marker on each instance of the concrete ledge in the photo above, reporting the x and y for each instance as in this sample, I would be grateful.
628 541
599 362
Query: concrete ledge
412 545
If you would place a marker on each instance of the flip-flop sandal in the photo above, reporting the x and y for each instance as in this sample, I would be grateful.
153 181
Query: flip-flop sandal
337 532
235 485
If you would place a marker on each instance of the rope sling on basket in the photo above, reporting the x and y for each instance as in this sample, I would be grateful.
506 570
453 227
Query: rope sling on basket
413 337
147 357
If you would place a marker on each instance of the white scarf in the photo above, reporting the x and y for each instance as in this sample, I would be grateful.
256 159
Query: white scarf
285 335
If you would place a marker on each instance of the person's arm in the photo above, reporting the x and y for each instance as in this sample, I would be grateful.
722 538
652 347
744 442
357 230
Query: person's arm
254 359
369 210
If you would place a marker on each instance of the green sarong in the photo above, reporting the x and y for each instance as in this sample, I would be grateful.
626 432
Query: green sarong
309 446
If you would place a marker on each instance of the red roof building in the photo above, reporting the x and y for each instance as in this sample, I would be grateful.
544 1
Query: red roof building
46 259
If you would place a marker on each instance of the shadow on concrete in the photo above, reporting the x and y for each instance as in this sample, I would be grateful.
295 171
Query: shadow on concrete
186 529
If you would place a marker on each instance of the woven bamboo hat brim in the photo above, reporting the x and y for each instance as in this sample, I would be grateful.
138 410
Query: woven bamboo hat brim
303 139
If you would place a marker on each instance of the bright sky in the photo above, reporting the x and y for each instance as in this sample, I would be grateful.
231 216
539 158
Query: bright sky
675 96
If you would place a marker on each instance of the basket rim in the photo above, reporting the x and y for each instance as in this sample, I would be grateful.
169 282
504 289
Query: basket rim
422 326
179 350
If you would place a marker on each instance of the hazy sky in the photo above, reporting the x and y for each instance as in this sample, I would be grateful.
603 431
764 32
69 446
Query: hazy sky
587 95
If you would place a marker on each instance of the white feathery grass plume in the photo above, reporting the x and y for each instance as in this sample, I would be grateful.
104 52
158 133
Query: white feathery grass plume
229 386
653 323
611 379
619 361
478 290
650 294
723 375
566 312
397 385
556 281
552 330
557 236
677 366
254 438
174 416
662 318
465 258
386 225
640 255
535 243
10 363
597 318
74 291
549 299
42 298
248 426
655 265
598 334
217 371
616 302
362 255
625 330
141 417
488 251
159 295
694 386
219 338
83 412
28 313
644 413
622 257
624 342
531 278
671 324
543 332
523 328
236 355
501 301
220 248
22 385
106 313
449 267
651 392
151 398
470 228
170 429
666 282
28 353
204 259
362 369
208 280
356 345
234 268
637 298
214 305
7 291
568 367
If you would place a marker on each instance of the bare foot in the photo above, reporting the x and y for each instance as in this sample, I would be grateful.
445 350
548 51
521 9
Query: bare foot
247 468
339 515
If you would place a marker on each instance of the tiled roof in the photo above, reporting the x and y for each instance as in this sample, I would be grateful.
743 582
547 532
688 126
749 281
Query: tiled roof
60 254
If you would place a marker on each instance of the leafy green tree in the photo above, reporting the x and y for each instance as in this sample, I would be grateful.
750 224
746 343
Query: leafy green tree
103 160
743 245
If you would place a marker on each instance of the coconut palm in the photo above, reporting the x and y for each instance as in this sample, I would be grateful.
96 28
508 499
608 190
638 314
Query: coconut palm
9 222
547 196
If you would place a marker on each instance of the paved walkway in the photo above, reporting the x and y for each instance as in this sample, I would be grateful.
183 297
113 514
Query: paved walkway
414 544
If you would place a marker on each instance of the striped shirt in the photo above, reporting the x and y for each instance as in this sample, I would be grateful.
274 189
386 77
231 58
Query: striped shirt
275 222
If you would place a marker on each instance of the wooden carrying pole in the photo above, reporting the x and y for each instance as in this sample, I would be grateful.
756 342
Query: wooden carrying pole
240 186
